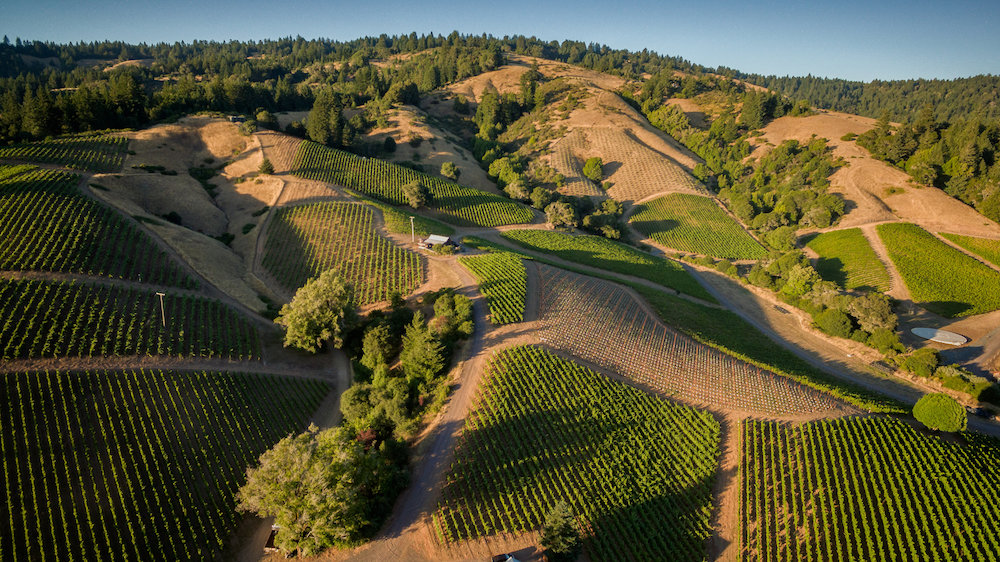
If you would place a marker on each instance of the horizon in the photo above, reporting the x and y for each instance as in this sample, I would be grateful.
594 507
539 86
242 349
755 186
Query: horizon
857 42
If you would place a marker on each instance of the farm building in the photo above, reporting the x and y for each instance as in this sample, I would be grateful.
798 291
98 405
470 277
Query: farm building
434 240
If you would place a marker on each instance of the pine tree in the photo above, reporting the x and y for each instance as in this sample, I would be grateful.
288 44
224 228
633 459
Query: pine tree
560 536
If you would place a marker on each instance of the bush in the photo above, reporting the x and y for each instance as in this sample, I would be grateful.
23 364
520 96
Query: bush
593 169
940 412
921 362
266 167
834 322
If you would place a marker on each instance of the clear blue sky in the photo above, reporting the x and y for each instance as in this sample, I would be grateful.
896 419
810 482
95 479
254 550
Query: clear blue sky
850 39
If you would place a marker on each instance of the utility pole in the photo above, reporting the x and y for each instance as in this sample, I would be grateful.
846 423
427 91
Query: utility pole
163 313
413 237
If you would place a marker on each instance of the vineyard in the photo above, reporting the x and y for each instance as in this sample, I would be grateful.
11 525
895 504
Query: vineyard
47 224
398 222
383 180
867 489
135 465
847 259
88 151
942 279
306 240
48 319
637 470
986 248
503 281
691 223
610 256
602 323
564 161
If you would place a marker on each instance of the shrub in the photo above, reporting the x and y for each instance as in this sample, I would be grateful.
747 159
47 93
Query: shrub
593 169
834 322
266 167
940 412
921 362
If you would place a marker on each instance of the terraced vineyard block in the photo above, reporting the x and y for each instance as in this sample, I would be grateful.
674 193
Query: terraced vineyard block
636 469
306 240
691 223
847 259
939 277
383 180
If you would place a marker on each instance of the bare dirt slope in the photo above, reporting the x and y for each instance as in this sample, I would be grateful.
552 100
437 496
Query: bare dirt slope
424 144
875 191
507 79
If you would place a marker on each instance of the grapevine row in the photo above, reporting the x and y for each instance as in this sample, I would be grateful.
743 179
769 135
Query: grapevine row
49 319
636 469
91 152
605 325
385 180
503 280
135 465
306 240
869 488
47 224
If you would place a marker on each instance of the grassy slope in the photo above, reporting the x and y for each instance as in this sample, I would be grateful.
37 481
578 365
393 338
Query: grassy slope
846 258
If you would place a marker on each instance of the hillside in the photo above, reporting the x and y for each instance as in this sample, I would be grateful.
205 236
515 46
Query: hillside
672 308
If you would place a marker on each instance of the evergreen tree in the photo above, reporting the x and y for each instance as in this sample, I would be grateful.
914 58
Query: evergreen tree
560 536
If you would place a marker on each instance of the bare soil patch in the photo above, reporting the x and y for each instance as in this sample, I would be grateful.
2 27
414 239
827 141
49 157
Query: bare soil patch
874 190
422 143
161 195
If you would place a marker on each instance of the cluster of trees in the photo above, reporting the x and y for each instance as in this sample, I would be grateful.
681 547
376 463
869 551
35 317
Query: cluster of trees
866 318
959 157
335 487
787 189
951 99
325 488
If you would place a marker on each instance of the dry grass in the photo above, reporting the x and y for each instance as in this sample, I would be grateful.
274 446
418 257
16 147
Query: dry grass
875 191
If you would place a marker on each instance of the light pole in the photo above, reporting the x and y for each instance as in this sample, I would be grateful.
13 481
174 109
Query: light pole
413 236
163 313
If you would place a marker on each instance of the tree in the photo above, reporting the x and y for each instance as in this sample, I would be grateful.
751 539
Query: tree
561 213
422 356
921 362
321 310
323 488
873 311
266 167
416 193
376 347
450 171
940 412
560 535
541 197
593 169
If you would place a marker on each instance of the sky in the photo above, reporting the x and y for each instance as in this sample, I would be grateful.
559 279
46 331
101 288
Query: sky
854 40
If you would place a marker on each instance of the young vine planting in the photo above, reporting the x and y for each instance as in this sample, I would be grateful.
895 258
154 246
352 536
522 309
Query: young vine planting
602 323
846 258
986 248
637 470
610 256
696 224
939 277
47 224
503 280
49 319
94 152
135 465
306 240
384 180
869 488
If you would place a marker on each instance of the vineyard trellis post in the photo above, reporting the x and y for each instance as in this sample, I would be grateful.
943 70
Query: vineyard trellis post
163 312
412 231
